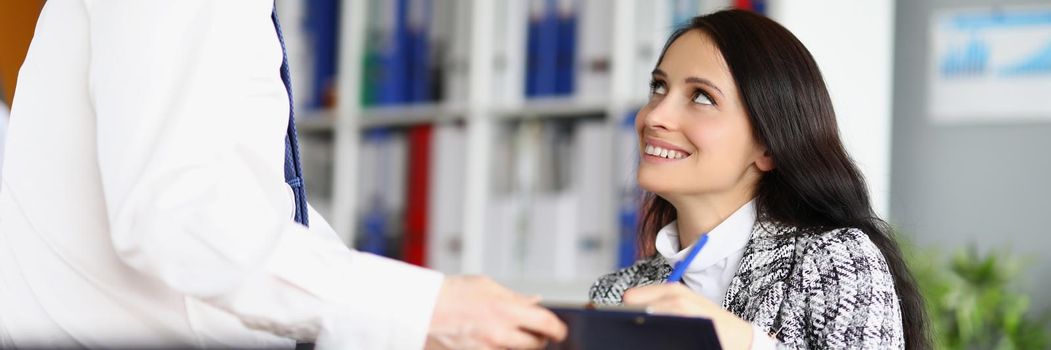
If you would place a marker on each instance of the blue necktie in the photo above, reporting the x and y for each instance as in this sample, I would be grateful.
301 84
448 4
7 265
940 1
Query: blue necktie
293 169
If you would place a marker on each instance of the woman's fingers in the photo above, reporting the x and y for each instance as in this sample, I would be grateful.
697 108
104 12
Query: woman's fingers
670 299
674 305
647 294
644 295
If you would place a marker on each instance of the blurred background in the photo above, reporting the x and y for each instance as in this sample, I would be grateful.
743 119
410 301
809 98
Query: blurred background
496 137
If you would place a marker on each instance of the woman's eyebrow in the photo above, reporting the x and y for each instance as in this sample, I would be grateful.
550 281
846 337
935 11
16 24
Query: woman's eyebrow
657 72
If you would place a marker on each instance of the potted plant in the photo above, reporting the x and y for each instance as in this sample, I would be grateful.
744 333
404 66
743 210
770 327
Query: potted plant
973 302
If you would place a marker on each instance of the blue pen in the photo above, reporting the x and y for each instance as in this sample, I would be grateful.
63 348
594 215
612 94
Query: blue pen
680 268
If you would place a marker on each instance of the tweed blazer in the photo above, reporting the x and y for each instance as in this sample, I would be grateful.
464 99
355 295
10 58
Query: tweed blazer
832 290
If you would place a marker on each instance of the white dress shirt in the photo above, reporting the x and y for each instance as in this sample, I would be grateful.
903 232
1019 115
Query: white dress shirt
712 270
143 198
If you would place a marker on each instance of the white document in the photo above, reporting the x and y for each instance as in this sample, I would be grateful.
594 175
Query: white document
445 210
594 188
595 47
458 50
550 246
509 52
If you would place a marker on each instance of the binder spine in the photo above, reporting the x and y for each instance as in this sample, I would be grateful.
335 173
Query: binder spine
566 51
416 212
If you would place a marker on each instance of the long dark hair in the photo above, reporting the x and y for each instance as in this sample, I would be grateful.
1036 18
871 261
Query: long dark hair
815 186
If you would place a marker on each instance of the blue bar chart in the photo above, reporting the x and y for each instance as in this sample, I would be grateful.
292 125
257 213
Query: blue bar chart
990 65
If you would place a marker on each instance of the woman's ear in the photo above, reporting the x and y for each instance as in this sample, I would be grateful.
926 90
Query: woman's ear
765 162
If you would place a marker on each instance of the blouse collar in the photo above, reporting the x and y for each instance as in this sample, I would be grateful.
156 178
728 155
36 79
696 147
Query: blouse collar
727 239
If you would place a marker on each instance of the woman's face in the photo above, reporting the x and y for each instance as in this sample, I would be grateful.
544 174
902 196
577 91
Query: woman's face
695 137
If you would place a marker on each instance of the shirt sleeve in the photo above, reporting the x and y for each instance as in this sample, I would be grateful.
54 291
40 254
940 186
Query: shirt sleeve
191 115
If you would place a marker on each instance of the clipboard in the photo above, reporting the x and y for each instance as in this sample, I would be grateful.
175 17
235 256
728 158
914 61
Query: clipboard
611 327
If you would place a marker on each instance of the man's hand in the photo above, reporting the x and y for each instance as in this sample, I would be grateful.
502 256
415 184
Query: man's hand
477 313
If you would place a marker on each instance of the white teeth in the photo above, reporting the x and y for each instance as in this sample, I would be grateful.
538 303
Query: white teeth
663 153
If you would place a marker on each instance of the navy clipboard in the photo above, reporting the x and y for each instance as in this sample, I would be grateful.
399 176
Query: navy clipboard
622 328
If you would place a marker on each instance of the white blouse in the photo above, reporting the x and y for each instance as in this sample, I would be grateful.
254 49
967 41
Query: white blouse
712 270
710 273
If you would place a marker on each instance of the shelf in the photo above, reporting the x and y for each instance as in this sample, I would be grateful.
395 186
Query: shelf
564 107
409 115
417 114
549 107
315 121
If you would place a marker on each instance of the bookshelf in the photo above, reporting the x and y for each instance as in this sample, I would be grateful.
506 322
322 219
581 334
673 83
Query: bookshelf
481 117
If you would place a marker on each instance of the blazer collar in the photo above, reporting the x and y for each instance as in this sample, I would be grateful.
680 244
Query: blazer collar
765 268
768 259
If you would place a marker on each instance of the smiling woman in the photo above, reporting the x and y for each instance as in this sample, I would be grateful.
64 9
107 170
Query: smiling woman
739 143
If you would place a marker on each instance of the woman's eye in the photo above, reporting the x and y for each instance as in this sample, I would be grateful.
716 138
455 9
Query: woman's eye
658 88
700 97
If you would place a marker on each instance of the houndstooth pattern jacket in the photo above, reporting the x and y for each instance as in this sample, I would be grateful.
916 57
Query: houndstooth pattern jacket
828 291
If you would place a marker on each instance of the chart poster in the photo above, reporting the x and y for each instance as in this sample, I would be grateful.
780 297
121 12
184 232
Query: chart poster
990 65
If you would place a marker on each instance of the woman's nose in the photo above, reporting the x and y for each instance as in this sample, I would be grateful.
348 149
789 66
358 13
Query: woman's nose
661 116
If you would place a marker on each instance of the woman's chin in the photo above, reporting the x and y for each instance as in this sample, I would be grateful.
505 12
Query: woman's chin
656 185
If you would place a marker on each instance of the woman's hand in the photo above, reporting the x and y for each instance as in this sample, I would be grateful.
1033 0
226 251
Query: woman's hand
676 299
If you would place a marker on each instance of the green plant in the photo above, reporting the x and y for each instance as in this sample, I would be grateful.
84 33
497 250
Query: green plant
972 302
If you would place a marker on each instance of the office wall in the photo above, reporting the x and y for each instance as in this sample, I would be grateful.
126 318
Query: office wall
852 44
952 185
